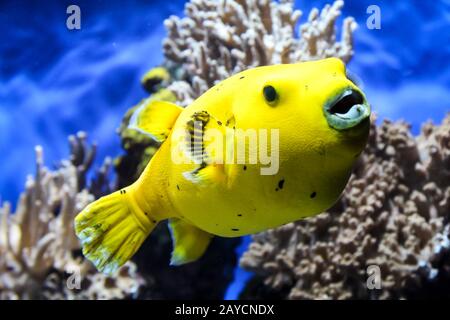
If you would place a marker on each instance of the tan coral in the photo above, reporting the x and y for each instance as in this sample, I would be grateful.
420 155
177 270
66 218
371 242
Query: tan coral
219 38
393 214
38 239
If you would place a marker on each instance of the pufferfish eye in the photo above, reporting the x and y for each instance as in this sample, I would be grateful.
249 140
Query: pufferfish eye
270 94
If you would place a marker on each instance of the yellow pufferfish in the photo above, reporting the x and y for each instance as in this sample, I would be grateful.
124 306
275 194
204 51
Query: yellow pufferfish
322 124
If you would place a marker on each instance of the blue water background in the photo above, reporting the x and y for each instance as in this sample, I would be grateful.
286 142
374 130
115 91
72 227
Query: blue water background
55 82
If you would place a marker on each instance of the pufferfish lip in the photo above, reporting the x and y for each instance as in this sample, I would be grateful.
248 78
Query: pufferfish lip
346 110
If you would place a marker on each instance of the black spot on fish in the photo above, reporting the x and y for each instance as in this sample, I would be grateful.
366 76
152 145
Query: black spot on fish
153 220
178 187
219 122
306 87
276 189
313 195
151 84
245 167
98 226
146 213
281 184
239 215
234 229
242 77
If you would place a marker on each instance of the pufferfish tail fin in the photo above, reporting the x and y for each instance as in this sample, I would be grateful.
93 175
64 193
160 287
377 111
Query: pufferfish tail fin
111 230
155 118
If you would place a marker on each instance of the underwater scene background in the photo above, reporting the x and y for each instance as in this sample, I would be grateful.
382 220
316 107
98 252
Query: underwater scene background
56 82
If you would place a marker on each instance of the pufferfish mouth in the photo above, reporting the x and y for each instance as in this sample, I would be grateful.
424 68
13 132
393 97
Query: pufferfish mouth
346 110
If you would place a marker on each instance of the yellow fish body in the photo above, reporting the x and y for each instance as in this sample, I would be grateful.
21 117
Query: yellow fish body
307 122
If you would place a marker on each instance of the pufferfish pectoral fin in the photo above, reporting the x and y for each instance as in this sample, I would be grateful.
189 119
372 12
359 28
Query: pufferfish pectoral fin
204 145
155 118
189 242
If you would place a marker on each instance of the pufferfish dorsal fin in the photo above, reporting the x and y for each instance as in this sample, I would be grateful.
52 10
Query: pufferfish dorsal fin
155 118
189 242
202 148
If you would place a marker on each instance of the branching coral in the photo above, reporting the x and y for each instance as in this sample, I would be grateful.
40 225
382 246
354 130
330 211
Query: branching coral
394 214
219 38
37 242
